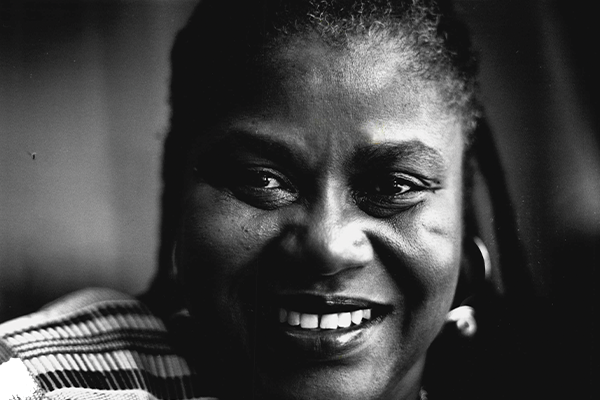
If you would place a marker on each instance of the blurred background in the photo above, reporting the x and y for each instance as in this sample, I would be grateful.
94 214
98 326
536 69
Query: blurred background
84 109
84 87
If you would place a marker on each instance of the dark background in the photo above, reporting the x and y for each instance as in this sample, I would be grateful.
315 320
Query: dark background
83 85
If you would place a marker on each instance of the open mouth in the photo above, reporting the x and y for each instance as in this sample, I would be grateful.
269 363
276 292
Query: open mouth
308 327
323 321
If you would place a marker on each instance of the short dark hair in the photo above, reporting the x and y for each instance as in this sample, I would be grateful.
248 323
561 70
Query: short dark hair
224 36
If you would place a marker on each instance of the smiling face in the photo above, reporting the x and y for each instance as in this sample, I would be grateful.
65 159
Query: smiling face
322 224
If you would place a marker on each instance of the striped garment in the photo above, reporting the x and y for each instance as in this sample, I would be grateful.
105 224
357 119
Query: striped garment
94 344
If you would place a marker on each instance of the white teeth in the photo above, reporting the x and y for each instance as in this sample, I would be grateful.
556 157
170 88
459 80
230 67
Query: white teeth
325 321
309 321
344 320
329 321
293 318
356 316
367 313
283 314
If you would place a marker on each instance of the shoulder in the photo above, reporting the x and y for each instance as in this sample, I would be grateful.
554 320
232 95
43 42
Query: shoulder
81 302
97 343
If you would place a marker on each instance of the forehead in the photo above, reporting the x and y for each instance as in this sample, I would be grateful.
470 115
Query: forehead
366 79
360 66
329 99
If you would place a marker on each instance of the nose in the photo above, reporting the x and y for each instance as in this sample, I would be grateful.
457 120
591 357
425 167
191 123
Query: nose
330 238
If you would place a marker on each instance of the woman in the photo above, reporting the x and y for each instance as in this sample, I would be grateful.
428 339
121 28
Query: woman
318 227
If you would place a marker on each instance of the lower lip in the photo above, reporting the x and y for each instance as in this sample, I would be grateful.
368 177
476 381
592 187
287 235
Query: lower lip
318 344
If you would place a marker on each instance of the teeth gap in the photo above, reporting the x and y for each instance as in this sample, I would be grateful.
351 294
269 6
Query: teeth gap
324 321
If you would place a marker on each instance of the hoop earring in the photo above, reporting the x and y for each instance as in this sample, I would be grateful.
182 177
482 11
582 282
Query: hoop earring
463 316
173 272
485 257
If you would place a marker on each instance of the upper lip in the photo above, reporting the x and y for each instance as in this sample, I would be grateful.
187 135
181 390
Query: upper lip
322 304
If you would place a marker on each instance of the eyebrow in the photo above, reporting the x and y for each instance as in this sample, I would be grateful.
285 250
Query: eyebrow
412 154
228 141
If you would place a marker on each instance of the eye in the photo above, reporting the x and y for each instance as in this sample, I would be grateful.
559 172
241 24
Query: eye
391 186
260 179
261 187
386 194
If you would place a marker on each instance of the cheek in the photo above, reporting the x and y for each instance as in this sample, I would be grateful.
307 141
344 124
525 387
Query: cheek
441 232
220 243
217 242
430 247
441 225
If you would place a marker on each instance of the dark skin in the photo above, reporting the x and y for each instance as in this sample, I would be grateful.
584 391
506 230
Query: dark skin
341 178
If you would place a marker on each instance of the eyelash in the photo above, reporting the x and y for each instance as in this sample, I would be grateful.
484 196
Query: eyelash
402 193
262 187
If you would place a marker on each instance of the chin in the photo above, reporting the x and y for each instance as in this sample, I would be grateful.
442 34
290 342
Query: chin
361 361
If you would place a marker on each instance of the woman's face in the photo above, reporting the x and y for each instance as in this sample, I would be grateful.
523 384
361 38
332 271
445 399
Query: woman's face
322 224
